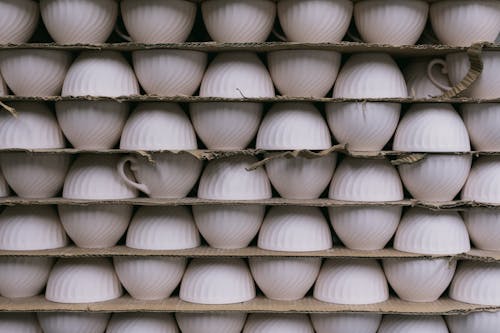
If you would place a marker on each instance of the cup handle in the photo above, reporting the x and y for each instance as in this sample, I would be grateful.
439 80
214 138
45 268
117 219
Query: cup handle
121 171
444 70
122 34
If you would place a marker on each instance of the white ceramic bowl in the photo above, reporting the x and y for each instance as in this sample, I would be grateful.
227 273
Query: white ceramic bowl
83 280
100 73
19 323
485 322
4 187
476 283
412 324
217 281
149 278
296 229
482 122
23 276
169 72
95 226
229 227
317 21
484 228
418 82
35 72
162 228
345 322
303 73
431 232
64 322
239 21
158 21
285 279
79 22
142 322
419 280
484 181
35 229
278 323
347 281
92 124
211 322
391 21
18 20
462 23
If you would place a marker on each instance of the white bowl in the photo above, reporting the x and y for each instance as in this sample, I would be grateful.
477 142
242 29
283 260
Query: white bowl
419 280
142 322
484 322
18 20
23 276
296 229
92 124
412 324
345 322
303 73
83 280
228 179
432 232
64 322
96 177
100 73
4 187
162 228
79 22
347 281
35 229
391 21
149 278
484 181
211 322
239 21
418 82
463 23
476 283
229 227
169 72
278 323
217 281
285 279
482 122
95 226
19 323
484 228
35 72
158 21
318 21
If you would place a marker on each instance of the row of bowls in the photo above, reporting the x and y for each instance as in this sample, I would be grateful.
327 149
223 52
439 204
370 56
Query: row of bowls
455 22
483 322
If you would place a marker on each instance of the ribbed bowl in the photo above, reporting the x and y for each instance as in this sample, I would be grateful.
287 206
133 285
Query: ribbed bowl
463 23
285 279
482 122
485 322
100 73
23 276
92 177
318 21
347 281
363 126
228 179
412 324
83 280
278 323
239 21
4 187
346 322
19 323
476 283
142 322
18 20
35 229
418 82
293 126
430 232
217 281
419 280
35 72
92 124
76 322
211 322
365 228
484 228
229 227
391 21
158 21
149 278
84 22
162 228
294 228
303 73
95 226
169 72
366 180
483 184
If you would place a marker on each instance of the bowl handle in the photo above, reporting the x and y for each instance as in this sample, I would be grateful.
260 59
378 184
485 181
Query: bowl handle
444 70
133 166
